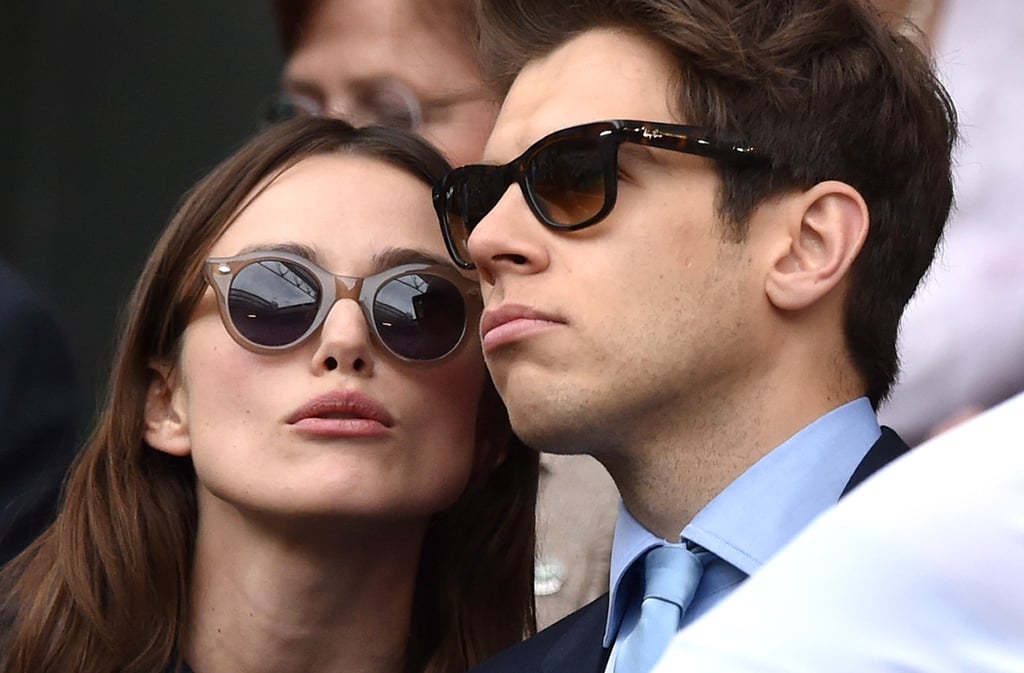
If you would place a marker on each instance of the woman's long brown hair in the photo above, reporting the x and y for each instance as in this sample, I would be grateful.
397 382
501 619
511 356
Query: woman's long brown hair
105 588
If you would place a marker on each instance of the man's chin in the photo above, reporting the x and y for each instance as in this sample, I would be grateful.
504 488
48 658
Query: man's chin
550 428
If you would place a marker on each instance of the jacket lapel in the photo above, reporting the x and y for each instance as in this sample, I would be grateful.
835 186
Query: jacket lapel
581 648
886 449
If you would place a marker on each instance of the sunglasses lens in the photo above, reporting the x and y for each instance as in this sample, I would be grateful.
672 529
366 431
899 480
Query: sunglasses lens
567 181
420 316
470 193
273 302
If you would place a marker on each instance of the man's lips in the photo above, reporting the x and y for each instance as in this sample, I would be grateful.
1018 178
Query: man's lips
342 414
512 322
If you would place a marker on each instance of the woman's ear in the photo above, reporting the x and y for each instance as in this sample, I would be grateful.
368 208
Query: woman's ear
821 244
166 419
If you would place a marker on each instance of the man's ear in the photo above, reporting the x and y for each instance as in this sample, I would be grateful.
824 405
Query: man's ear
166 419
822 242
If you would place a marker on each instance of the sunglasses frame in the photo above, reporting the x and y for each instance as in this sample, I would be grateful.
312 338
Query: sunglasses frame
220 272
608 135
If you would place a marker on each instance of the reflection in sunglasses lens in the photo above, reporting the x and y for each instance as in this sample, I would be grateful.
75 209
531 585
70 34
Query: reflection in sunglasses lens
273 303
567 180
420 316
477 194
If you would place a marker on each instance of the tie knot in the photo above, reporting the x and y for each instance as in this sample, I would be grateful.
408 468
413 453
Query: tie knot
672 573
671 576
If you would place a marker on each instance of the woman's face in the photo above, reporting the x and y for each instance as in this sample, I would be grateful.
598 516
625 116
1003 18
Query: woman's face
388 439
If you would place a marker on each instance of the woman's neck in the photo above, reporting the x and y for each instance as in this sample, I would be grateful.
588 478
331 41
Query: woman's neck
285 597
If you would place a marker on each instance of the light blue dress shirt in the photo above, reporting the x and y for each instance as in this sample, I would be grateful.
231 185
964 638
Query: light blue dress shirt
919 570
755 516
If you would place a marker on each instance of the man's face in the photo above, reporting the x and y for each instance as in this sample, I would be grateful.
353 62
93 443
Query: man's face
609 337
369 61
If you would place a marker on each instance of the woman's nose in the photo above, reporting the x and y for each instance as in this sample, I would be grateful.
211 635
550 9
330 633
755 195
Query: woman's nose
345 341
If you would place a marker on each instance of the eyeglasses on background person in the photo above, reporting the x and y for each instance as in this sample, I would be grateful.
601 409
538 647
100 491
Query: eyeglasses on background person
272 302
568 178
379 101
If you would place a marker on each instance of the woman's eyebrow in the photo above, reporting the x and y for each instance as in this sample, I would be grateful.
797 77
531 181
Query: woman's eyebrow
392 257
299 249
388 258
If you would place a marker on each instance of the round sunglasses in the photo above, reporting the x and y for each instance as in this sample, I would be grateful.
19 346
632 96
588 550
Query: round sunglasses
568 178
271 302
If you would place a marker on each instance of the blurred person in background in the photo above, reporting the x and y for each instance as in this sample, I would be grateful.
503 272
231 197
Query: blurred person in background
964 328
39 410
411 64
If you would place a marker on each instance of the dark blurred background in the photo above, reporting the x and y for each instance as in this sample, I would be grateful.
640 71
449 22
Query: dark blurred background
109 111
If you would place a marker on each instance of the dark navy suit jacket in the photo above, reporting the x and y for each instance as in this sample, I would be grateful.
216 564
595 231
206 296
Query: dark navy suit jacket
38 414
574 644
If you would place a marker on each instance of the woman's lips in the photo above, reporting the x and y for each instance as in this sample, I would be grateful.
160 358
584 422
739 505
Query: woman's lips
342 414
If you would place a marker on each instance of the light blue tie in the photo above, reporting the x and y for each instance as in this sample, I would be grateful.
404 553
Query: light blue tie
671 576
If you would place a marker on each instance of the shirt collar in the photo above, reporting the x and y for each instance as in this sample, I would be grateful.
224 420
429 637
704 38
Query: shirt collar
814 465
